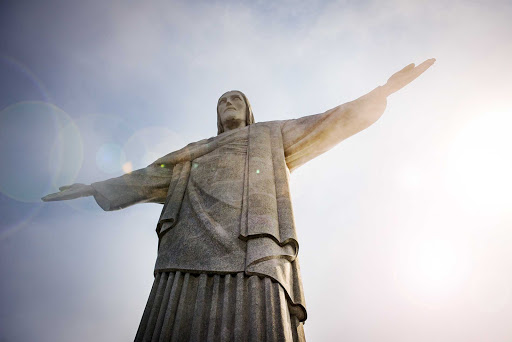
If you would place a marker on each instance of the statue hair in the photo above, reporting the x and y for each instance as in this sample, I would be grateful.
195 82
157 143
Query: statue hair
249 117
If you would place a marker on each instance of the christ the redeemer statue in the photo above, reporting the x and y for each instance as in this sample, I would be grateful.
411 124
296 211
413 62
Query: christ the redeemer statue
227 266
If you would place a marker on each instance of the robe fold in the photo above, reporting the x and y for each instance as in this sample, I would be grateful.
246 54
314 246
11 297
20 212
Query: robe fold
263 238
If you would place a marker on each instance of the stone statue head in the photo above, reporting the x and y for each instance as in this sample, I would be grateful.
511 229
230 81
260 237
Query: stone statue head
233 105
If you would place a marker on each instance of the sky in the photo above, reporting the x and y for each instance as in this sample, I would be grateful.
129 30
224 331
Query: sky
405 229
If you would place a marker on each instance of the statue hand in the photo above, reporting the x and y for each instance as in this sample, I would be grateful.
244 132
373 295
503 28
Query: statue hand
405 76
70 192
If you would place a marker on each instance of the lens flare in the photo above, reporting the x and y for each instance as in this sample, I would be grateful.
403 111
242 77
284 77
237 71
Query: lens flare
479 165
103 135
432 269
149 144
40 148
110 158
67 155
18 73
410 177
127 167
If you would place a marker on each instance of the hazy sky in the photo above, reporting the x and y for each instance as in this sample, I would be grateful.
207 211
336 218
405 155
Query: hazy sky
405 229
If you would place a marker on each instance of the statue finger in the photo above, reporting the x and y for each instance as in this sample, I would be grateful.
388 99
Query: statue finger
420 69
403 71
61 196
66 193
408 67
74 186
400 77
416 72
425 65
52 197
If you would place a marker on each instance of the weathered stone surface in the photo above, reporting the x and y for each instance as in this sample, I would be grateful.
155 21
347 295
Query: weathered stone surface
227 215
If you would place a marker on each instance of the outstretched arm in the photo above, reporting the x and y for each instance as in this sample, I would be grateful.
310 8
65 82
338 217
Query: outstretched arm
69 192
141 186
310 136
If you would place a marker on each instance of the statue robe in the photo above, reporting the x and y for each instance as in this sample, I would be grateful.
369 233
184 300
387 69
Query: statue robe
259 233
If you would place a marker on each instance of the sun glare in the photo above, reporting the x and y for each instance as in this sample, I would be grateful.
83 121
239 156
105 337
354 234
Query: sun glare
432 269
480 163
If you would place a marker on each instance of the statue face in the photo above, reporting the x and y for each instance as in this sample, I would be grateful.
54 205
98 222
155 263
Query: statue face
232 110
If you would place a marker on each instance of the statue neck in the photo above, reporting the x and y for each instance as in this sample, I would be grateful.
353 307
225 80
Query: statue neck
233 124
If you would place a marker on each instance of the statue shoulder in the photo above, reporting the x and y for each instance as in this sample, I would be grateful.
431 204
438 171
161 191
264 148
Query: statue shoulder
270 124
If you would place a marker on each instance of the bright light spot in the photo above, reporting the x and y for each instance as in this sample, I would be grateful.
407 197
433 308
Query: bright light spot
257 171
127 167
431 270
435 262
110 158
410 177
149 144
480 165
